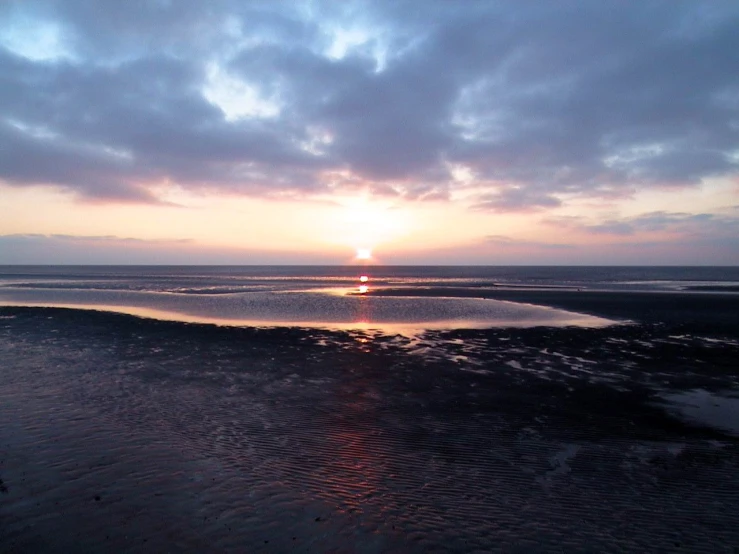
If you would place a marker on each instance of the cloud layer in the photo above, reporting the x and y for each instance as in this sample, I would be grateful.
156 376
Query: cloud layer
58 249
536 103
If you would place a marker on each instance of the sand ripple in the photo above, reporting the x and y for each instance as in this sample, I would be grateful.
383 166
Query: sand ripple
127 435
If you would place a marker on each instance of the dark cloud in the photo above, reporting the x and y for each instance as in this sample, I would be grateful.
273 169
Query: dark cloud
516 199
41 159
542 101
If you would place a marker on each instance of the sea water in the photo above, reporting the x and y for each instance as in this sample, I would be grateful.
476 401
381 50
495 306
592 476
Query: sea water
330 296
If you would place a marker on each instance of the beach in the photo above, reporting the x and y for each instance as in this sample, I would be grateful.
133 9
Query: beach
134 434
369 277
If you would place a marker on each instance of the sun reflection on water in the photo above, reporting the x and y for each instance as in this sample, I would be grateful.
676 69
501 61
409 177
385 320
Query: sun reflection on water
363 316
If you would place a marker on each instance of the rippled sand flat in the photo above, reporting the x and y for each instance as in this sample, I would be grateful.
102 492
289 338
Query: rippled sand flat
126 434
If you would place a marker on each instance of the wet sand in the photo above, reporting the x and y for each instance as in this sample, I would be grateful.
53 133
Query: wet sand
123 434
706 310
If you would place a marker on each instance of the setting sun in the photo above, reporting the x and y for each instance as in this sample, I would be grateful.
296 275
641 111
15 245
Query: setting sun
364 225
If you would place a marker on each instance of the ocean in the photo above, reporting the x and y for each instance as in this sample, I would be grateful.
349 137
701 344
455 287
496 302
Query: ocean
234 278
441 409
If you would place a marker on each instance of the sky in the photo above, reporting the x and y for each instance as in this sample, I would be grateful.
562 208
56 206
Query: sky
412 132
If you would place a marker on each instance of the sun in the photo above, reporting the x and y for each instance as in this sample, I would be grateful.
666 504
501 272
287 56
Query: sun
366 225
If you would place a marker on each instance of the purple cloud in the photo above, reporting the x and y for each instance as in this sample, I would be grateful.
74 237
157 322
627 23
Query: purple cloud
547 100
702 225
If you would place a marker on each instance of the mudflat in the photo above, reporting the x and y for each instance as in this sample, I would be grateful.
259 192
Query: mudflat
129 434
709 311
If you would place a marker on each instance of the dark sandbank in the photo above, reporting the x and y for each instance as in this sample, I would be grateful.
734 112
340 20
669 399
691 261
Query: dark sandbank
128 434
713 288
710 312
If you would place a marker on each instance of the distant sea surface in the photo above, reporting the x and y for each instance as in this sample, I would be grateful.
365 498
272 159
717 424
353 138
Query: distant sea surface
330 296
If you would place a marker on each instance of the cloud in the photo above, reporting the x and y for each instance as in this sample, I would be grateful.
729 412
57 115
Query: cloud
504 241
84 239
504 250
541 102
706 226
516 199
79 249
